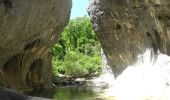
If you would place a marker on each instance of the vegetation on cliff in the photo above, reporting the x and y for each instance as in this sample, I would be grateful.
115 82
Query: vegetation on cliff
77 53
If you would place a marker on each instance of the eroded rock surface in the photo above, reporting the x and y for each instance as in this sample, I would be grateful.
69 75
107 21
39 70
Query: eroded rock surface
126 28
28 28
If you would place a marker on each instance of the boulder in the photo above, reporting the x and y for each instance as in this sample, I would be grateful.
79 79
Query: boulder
126 28
8 94
28 28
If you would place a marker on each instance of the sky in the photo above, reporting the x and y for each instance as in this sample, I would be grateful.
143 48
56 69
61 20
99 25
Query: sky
79 8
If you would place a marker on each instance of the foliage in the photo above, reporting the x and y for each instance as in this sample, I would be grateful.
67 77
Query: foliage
78 51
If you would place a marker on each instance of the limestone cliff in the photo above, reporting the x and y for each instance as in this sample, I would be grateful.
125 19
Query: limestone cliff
28 28
126 28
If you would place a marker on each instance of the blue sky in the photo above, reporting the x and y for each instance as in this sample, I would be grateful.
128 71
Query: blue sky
79 8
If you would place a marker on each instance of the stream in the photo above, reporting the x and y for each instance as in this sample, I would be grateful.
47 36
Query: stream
146 79
66 93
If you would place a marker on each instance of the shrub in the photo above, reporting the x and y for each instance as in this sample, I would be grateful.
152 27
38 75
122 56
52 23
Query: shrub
77 53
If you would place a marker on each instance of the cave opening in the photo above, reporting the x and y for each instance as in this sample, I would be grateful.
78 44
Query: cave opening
12 72
34 75
12 63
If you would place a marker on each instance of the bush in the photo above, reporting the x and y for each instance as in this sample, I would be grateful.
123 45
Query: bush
77 53
77 65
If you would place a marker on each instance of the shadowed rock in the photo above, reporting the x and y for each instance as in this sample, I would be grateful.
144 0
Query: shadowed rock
7 94
28 28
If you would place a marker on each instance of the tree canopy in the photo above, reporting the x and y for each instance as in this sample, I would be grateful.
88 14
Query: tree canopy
78 50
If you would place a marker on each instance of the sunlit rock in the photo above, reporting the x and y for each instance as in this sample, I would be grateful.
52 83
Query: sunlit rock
28 28
126 28
134 35
106 69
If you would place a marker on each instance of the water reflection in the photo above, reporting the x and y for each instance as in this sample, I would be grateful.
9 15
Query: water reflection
65 93
74 93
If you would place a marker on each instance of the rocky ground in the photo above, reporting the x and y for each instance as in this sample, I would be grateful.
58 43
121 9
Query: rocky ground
8 94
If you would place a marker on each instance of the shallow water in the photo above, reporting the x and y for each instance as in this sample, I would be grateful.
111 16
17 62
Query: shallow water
66 93
74 93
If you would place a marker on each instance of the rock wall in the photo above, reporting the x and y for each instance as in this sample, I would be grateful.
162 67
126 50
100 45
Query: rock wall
28 28
106 69
126 28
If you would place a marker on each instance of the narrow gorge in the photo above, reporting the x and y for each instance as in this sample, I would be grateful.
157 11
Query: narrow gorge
131 32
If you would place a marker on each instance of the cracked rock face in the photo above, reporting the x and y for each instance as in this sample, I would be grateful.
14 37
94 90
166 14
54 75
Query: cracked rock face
126 28
28 28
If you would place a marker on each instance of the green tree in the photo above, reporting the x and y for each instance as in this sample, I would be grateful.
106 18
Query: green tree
78 50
